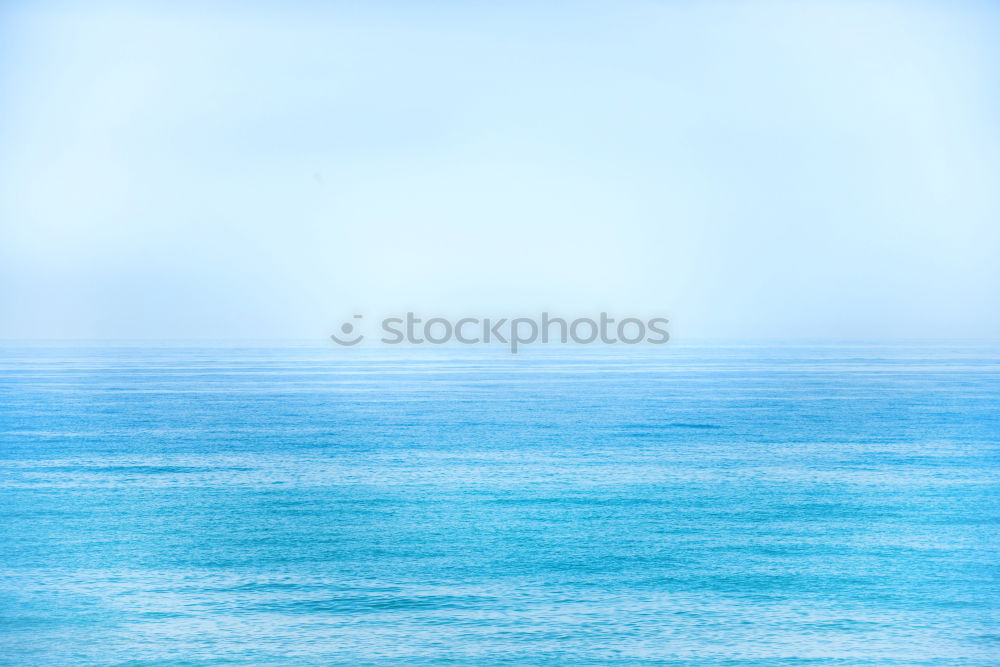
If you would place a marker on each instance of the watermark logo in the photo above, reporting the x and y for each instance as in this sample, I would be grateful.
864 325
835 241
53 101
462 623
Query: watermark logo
347 328
514 332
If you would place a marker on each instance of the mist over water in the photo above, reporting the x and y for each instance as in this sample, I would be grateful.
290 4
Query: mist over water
764 169
741 505
750 171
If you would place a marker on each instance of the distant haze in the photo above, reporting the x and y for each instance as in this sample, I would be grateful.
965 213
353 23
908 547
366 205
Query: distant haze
262 170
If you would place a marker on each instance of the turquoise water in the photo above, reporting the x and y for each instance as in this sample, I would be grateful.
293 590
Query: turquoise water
746 505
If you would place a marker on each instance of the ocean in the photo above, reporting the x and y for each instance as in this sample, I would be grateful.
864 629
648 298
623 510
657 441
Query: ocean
773 505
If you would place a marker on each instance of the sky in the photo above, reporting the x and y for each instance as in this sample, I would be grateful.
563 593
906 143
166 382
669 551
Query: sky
750 170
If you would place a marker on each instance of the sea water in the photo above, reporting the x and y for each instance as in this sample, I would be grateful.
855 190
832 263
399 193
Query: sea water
689 505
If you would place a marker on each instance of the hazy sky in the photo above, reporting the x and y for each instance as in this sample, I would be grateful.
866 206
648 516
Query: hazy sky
748 169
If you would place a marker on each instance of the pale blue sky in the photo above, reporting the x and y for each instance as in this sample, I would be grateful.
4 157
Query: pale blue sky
748 169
